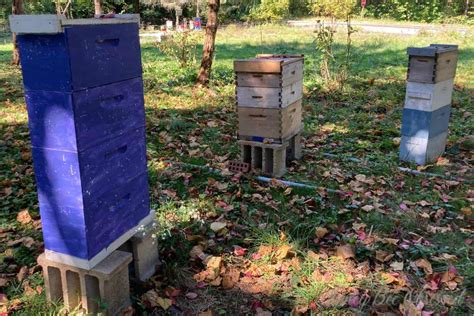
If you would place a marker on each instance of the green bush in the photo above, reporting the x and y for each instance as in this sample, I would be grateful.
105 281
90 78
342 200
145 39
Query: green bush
181 46
271 10
417 10
338 9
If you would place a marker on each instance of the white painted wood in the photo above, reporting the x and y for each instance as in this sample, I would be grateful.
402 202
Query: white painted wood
422 150
36 24
89 264
53 24
428 96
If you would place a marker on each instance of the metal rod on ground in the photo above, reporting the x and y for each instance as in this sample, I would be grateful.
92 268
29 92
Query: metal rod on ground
259 178
403 169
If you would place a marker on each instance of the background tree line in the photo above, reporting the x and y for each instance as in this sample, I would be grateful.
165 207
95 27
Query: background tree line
442 11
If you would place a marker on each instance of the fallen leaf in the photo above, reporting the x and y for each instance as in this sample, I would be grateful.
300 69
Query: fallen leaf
3 299
345 251
213 267
397 266
218 226
261 312
155 300
425 265
24 217
239 251
283 252
196 252
354 301
230 278
191 295
321 232
3 282
368 208
28 242
22 274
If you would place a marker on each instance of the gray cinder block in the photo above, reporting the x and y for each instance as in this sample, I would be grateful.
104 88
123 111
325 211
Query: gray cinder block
270 158
105 288
293 151
422 150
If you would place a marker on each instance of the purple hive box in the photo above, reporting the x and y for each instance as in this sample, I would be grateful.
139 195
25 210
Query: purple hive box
84 95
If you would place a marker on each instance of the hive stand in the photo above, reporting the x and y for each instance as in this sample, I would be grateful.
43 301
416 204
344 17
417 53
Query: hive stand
103 288
271 158
143 246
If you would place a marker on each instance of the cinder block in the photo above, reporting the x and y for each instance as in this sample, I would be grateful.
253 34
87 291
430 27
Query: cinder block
422 150
105 288
293 151
428 96
144 248
270 158
257 157
425 124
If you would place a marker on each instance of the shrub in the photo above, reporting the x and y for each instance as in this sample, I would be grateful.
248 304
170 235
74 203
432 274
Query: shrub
271 10
181 46
338 9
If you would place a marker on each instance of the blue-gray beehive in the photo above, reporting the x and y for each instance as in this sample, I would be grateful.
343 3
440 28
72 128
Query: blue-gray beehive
84 94
425 119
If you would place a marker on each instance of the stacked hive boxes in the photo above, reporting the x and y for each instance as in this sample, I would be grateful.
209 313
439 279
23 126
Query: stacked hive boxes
269 96
425 119
84 94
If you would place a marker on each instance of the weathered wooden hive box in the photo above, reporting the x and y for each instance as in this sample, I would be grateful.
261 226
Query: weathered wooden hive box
269 93
84 94
432 64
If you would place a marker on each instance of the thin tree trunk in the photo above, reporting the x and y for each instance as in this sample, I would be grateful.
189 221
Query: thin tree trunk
209 43
17 8
97 7
466 8
136 6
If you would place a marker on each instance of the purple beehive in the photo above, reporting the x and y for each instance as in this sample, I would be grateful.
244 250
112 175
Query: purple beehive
84 94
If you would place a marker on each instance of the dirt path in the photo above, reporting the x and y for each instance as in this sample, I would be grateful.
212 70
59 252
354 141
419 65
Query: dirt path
409 29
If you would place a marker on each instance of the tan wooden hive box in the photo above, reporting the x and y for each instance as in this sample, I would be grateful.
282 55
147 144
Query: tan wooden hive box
432 64
269 81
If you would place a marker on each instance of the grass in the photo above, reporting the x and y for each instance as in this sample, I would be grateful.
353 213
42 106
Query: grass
409 216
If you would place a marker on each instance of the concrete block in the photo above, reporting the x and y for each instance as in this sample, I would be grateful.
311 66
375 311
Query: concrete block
104 288
293 151
428 96
144 248
257 157
424 124
422 150
270 158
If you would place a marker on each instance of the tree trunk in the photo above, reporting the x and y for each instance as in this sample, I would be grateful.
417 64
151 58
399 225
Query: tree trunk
97 7
466 8
136 6
17 8
209 43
